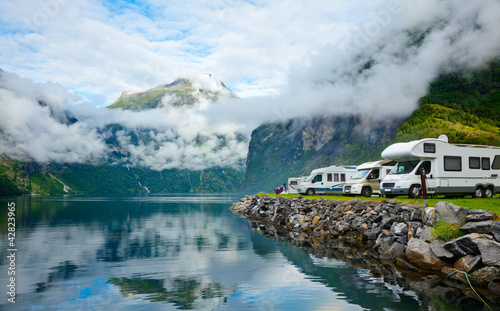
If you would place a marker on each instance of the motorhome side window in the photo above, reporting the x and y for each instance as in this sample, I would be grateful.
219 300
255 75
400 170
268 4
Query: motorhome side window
336 177
485 163
453 163
474 163
426 166
429 148
329 177
496 163
293 182
342 177
375 174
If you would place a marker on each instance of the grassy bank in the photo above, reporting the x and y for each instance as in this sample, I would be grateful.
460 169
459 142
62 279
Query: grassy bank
492 204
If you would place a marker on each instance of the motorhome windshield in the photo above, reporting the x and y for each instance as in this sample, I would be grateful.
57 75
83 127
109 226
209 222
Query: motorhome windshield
361 174
309 179
405 167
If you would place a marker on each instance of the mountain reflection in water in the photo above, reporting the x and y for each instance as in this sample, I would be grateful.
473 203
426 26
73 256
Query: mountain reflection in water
174 252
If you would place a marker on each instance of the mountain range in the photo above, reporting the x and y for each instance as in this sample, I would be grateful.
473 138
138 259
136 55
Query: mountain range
464 105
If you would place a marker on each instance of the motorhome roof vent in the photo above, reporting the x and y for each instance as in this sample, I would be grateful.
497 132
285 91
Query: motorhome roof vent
443 137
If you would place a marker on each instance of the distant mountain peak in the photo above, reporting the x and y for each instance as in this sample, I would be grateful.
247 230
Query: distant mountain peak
181 92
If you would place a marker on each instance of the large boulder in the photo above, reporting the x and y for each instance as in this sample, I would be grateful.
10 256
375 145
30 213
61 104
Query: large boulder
479 215
465 245
450 213
490 251
438 249
399 228
495 230
468 263
396 250
420 254
477 227
485 275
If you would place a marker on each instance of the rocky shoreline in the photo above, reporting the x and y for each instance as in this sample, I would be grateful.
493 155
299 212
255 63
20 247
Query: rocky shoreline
396 234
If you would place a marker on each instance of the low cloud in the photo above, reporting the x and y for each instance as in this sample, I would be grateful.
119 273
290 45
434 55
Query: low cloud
377 66
33 126
38 125
383 65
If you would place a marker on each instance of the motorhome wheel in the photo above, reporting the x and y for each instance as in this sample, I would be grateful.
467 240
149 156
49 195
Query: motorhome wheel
478 193
310 191
414 191
488 193
366 192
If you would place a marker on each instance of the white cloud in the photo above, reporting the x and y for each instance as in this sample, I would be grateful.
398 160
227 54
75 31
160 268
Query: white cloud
304 59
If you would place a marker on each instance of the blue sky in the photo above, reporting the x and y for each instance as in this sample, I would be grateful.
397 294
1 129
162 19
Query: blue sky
101 48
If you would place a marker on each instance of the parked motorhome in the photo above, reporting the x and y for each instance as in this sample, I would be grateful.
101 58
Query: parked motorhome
294 182
327 180
449 168
367 179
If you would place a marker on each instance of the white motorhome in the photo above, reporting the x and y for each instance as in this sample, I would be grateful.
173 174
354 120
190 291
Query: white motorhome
367 180
449 168
294 182
327 180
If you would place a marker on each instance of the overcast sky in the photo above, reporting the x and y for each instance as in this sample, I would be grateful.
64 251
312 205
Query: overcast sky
284 59
101 48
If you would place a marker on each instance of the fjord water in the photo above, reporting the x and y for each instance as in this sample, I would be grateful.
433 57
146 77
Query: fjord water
171 252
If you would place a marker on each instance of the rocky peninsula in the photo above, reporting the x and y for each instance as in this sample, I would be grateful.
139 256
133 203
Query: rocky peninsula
394 237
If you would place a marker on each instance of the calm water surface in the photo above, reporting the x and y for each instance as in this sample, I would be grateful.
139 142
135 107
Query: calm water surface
171 252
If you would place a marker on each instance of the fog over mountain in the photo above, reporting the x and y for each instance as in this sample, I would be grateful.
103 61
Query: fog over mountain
385 64
378 70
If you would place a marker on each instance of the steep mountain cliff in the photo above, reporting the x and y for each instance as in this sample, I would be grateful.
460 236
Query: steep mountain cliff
281 150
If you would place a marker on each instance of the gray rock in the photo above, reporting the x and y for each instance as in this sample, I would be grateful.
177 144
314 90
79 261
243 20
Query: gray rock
420 254
403 240
387 221
478 217
417 215
403 264
429 216
495 230
438 249
465 245
418 233
479 211
477 227
372 234
384 238
450 213
490 251
468 263
396 250
399 228
425 235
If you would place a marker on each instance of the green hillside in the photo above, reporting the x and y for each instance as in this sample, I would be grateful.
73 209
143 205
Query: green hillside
465 107
26 177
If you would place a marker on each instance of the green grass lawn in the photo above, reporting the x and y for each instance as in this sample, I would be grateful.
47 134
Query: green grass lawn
492 204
